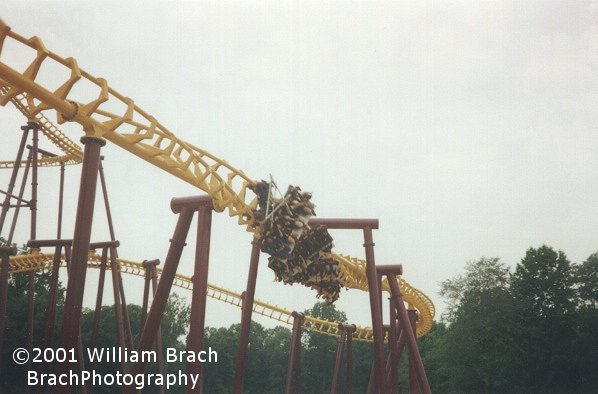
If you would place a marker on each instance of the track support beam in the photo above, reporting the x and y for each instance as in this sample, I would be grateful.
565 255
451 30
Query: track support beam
246 312
200 289
71 322
293 384
367 225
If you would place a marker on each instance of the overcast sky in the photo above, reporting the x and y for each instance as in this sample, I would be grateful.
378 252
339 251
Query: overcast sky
468 128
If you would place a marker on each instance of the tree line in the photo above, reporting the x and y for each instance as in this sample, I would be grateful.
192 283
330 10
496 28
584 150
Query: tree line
533 330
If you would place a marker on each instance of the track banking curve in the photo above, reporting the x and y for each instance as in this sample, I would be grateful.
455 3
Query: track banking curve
141 134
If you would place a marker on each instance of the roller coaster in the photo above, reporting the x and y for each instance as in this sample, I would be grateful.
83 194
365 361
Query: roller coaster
250 202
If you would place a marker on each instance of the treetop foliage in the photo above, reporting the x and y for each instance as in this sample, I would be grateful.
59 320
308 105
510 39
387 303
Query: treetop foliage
535 330
532 330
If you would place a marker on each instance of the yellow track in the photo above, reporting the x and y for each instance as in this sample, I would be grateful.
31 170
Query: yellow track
72 153
141 134
42 261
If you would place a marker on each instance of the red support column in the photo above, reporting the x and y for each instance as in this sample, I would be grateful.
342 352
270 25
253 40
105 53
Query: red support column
376 310
372 381
415 357
50 319
246 313
293 383
185 207
52 299
30 315
118 306
33 203
60 202
159 347
414 383
367 225
390 370
109 252
297 373
200 289
350 329
13 177
339 358
114 254
146 290
21 202
345 341
392 356
71 322
98 309
151 282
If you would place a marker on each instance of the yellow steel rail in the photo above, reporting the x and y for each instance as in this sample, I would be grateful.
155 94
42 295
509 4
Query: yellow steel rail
72 153
141 134
43 261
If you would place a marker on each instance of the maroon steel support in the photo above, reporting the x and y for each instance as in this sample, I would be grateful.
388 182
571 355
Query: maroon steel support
13 177
293 383
401 345
15 216
380 300
114 253
147 265
33 204
152 279
372 380
376 311
177 243
367 225
246 313
339 359
98 309
390 370
297 374
118 306
60 201
415 357
5 253
52 295
346 224
350 329
200 288
125 309
58 244
71 322
31 311
414 379
393 337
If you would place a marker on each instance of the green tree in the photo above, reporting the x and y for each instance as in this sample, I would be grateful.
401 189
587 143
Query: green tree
483 275
173 330
544 281
13 375
586 277
274 362
433 357
543 286
472 351
585 345
218 377
319 355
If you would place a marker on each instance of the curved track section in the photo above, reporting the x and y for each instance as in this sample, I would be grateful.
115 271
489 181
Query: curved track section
42 261
116 118
72 153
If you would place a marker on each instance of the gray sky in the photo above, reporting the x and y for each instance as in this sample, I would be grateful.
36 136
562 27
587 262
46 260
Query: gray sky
467 128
